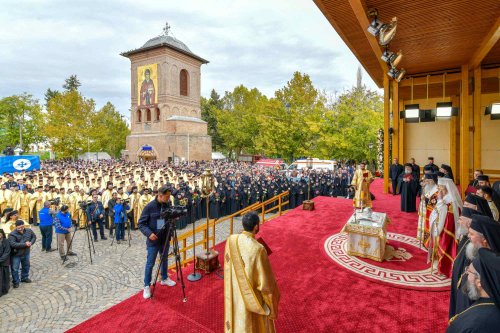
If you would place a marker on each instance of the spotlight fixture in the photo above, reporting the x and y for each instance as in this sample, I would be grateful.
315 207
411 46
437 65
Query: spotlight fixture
493 110
391 58
396 74
376 24
387 32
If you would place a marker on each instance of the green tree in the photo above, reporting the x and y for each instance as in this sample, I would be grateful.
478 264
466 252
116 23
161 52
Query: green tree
351 125
49 94
72 83
108 131
237 120
209 109
20 112
69 123
291 123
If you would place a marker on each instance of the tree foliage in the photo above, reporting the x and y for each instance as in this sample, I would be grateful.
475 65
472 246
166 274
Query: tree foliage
72 83
298 122
20 111
209 109
109 131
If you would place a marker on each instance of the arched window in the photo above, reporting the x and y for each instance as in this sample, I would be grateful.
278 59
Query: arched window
148 115
157 114
139 116
184 82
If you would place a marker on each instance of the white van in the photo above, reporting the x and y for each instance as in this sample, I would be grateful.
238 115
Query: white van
316 162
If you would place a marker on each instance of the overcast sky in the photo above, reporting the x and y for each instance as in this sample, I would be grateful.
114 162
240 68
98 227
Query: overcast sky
257 43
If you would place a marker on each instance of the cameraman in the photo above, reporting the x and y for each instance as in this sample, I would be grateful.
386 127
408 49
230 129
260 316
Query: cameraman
62 222
95 212
46 218
150 224
119 218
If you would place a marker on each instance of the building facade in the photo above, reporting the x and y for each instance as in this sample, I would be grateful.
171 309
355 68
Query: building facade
165 114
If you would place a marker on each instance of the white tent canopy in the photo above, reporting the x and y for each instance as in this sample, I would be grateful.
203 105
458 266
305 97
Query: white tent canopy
94 156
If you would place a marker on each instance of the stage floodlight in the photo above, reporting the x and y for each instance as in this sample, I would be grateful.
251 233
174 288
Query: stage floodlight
391 58
493 110
396 74
445 110
375 26
387 32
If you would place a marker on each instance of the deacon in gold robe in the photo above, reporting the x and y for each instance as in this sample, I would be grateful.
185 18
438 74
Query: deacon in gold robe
361 181
251 295
24 211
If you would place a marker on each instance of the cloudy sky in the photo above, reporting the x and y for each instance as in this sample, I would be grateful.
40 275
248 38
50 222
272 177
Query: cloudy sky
257 43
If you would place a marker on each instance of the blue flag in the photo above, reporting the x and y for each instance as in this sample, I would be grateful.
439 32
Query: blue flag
19 163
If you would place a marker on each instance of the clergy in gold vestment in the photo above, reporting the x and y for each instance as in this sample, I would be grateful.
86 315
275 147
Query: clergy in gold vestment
361 181
251 295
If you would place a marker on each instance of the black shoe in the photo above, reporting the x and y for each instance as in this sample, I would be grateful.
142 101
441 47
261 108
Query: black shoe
71 253
104 238
51 250
28 280
16 285
96 240
43 250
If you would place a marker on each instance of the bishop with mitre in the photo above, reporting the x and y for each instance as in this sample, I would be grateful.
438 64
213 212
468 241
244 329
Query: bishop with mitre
251 295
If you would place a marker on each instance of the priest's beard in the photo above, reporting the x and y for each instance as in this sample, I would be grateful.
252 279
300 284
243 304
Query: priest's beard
472 291
471 251
461 231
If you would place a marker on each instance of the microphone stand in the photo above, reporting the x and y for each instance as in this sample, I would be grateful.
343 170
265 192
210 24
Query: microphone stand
195 276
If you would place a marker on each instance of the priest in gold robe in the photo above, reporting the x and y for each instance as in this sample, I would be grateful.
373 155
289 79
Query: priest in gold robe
251 295
361 181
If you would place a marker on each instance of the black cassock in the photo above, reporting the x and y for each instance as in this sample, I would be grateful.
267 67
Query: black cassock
4 266
408 192
458 300
483 317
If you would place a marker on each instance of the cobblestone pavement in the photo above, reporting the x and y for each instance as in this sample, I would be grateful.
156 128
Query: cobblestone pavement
62 296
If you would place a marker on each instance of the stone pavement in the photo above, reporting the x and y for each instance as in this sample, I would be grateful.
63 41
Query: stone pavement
62 296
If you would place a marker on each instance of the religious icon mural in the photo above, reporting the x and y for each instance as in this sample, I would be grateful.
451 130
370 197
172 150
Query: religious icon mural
147 83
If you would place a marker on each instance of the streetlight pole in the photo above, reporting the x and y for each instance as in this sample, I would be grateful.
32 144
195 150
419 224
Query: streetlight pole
21 124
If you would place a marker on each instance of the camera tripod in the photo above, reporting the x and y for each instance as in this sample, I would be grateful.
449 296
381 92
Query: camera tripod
128 226
90 240
171 233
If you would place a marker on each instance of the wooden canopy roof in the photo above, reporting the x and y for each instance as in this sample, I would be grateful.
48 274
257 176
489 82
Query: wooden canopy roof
434 36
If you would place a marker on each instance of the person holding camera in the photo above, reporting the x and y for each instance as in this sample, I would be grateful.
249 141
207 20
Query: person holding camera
46 218
120 217
21 240
151 224
62 223
95 212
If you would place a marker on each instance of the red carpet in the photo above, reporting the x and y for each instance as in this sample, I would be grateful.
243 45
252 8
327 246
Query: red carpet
317 295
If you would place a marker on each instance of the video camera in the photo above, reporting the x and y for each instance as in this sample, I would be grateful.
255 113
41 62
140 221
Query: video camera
55 201
84 204
126 201
173 212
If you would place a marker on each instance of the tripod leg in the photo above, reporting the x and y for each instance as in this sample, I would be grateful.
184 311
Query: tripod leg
178 264
162 259
69 246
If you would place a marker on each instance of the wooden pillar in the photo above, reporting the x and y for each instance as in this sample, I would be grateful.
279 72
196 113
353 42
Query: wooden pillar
477 118
453 140
386 133
395 121
464 129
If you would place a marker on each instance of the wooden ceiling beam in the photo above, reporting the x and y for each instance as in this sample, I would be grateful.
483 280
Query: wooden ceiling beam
418 81
486 45
359 10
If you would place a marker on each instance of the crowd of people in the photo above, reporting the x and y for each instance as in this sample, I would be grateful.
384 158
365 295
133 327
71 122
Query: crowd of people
111 194
462 238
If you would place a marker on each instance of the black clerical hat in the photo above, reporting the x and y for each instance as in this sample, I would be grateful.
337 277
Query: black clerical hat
428 168
483 178
481 204
432 176
489 272
468 212
408 165
489 228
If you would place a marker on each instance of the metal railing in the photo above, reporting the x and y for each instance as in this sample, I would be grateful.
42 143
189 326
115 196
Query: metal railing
273 205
